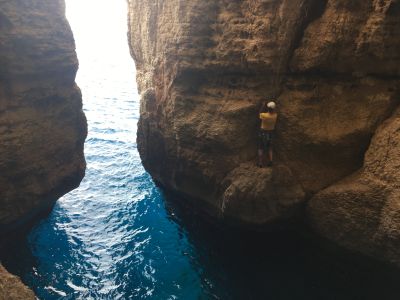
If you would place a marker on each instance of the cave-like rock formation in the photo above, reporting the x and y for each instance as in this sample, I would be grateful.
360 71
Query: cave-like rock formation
204 67
42 125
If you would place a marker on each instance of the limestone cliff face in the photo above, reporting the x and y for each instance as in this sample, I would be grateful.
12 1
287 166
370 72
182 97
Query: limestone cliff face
42 126
204 67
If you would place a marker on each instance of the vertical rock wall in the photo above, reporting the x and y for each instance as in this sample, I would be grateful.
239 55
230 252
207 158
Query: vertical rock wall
204 67
42 125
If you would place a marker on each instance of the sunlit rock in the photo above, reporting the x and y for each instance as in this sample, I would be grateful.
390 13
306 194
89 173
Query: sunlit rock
11 287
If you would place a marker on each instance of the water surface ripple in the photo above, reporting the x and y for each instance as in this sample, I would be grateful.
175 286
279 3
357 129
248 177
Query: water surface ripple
115 237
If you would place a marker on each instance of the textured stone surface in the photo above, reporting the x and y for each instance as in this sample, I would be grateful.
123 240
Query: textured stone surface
204 67
273 196
362 212
11 287
42 126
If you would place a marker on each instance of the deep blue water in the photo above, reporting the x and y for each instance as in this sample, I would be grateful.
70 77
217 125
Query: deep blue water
118 237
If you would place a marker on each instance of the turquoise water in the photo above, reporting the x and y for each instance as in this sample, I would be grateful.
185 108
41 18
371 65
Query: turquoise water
118 237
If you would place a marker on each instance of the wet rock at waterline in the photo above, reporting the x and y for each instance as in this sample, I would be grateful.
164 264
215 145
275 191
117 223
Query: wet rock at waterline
11 287
42 126
204 67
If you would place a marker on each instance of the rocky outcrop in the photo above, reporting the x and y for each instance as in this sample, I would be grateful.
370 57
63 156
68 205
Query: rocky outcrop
204 67
272 197
362 212
11 287
42 125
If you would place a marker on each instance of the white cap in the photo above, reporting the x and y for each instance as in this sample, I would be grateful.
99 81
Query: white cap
271 105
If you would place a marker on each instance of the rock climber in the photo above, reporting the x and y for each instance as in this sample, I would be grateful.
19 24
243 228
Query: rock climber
268 116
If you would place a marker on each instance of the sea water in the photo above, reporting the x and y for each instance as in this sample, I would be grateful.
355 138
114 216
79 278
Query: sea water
118 237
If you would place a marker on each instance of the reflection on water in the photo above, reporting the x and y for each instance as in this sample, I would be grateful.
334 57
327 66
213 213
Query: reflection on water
116 237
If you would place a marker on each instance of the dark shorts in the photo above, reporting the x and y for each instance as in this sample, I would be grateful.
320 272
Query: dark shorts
265 139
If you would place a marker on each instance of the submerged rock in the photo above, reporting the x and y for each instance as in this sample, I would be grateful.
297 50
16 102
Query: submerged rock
42 125
204 67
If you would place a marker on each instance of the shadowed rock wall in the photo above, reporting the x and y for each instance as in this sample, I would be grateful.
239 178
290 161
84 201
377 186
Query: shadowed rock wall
204 67
42 125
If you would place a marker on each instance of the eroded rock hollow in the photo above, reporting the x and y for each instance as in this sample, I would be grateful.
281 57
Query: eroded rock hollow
42 125
333 66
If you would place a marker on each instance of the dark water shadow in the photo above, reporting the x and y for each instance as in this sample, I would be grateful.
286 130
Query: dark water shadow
285 264
232 263
27 252
21 261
